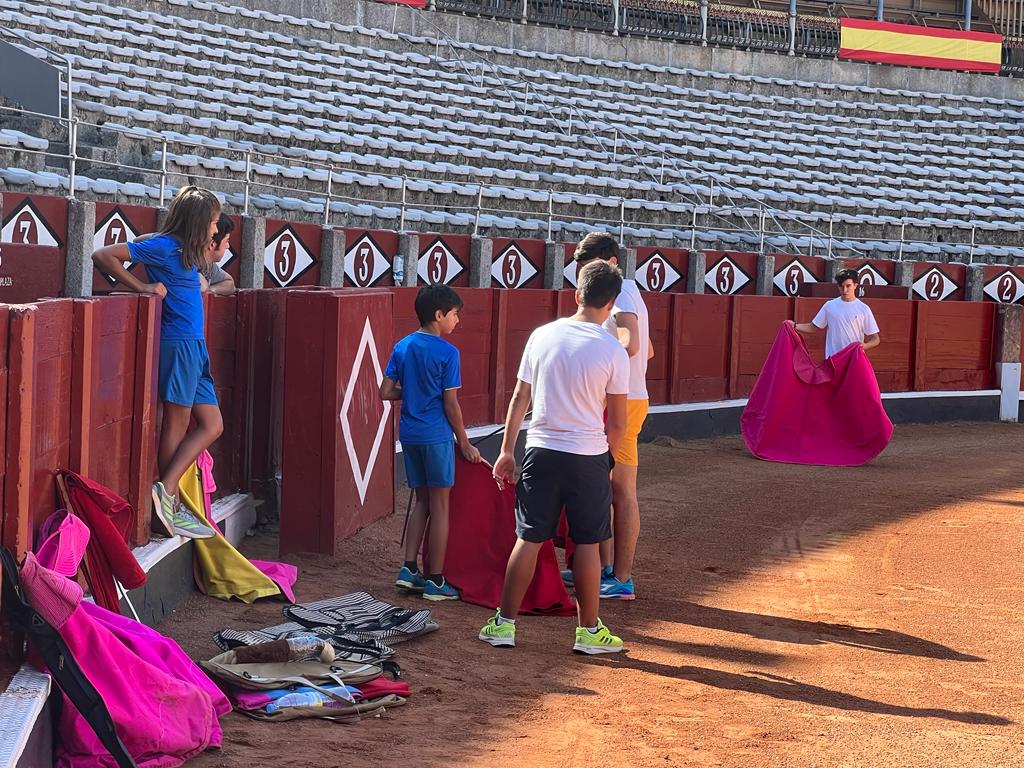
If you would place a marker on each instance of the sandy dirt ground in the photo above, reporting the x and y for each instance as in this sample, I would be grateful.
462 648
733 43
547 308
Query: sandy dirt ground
788 616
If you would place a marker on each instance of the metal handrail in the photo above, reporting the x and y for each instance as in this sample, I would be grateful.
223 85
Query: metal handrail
769 226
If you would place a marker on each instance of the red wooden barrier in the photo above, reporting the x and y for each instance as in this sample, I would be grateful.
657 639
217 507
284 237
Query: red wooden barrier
659 310
474 339
112 408
953 345
700 348
263 312
292 254
755 324
338 457
4 441
893 359
230 377
39 424
516 315
30 272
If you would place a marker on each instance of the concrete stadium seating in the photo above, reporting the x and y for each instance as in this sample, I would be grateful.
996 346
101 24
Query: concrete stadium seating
477 124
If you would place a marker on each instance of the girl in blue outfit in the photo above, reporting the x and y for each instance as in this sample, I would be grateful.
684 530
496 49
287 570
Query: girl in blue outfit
172 259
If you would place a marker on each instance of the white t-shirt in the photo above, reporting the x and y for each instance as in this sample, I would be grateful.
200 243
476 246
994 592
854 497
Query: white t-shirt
631 301
571 366
846 321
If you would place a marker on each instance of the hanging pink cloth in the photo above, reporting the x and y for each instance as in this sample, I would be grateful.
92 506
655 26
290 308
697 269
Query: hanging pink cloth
282 574
802 413
161 719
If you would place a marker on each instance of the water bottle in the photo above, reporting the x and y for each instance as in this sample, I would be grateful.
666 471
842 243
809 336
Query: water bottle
341 690
305 648
311 699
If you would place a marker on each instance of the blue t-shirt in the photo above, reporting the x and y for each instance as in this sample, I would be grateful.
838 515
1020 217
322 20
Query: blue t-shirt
181 316
425 366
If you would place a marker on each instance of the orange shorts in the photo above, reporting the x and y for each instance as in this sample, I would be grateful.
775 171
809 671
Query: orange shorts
628 452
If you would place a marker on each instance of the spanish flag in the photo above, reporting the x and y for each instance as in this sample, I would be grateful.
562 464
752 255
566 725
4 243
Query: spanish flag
913 46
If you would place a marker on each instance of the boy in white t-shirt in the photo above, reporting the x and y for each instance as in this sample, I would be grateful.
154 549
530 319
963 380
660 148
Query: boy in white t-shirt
846 319
629 323
572 370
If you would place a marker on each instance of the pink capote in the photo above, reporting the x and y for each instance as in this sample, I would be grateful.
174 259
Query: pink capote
802 413
164 707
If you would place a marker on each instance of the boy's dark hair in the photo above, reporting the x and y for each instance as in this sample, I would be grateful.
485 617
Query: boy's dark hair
225 226
597 245
846 274
598 283
432 298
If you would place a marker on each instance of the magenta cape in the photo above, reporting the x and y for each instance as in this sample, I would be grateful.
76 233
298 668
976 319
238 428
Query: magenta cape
802 413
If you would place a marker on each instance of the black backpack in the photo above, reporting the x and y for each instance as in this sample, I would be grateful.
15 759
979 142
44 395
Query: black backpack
57 656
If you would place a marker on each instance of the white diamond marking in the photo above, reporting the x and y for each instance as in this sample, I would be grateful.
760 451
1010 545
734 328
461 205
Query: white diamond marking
933 285
790 277
1006 288
359 473
657 274
725 278
364 262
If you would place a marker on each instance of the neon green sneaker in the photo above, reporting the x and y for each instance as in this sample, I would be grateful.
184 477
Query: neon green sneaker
499 635
602 641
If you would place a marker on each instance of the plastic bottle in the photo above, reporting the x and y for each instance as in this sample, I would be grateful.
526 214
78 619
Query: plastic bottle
282 692
307 648
311 699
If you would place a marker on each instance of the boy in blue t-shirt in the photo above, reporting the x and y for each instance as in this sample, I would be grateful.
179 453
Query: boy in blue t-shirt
424 374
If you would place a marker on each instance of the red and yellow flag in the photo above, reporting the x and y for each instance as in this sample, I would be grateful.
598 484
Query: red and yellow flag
913 46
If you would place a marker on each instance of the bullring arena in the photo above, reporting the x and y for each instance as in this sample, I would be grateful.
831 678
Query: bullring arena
786 614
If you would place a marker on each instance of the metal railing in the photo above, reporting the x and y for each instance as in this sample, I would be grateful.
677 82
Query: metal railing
688 220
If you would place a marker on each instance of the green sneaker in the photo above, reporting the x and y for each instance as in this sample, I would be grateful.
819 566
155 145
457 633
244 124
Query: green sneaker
499 635
188 525
175 518
602 641
163 507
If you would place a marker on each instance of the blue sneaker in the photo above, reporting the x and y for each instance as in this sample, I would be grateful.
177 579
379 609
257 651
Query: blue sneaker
613 589
410 580
567 577
445 591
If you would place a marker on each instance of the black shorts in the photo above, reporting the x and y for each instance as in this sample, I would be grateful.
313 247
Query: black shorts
553 479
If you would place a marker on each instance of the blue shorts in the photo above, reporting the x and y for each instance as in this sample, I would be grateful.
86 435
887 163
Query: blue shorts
432 466
185 377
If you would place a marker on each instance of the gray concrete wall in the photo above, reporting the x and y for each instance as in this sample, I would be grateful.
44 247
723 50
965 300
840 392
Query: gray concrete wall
513 35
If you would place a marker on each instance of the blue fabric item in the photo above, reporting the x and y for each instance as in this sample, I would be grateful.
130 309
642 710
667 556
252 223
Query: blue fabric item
430 466
181 316
185 377
425 366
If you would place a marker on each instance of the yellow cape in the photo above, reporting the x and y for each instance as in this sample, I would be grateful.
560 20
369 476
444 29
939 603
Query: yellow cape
221 570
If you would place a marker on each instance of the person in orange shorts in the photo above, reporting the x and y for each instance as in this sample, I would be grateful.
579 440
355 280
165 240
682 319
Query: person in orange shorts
628 322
